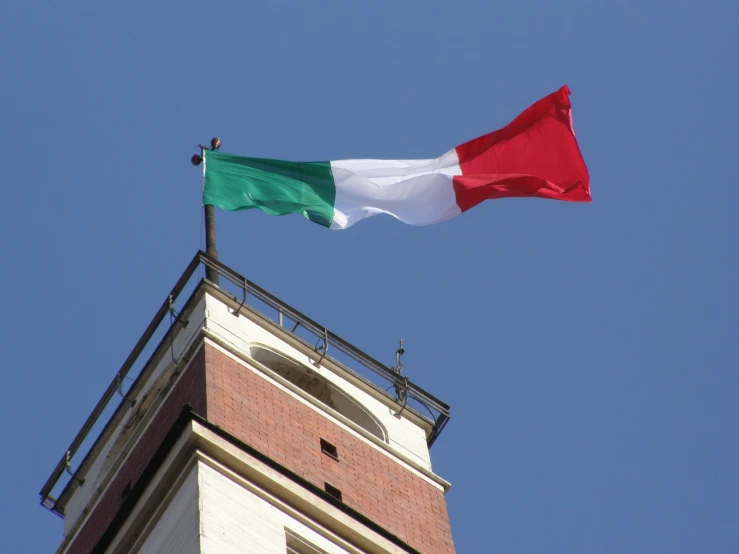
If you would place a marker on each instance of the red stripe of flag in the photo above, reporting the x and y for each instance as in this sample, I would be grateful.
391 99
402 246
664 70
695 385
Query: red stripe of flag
534 155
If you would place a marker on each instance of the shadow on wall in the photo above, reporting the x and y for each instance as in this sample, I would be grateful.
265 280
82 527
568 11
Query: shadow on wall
319 388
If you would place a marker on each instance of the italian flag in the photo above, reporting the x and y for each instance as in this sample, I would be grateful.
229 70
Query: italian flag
536 155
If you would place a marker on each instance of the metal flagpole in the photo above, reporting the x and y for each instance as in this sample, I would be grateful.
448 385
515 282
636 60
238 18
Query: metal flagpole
210 216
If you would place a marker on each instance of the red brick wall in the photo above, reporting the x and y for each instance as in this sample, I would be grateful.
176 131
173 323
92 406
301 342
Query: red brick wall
189 389
258 413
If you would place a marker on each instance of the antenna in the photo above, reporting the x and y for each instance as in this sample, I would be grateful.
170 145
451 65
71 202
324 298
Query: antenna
401 382
398 367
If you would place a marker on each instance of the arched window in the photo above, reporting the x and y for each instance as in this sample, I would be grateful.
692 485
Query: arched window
320 388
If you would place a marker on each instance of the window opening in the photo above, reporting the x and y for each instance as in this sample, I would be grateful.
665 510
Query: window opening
329 449
333 491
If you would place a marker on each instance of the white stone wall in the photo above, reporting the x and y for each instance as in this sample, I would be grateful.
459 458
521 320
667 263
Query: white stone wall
178 529
234 520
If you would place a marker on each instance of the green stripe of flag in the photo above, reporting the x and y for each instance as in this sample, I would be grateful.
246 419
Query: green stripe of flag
275 186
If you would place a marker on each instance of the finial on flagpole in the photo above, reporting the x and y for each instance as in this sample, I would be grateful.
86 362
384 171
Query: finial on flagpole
210 216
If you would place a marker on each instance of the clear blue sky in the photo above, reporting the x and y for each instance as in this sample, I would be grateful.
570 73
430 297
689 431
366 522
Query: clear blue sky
589 352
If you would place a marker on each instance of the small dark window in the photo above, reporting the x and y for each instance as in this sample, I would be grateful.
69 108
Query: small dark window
329 449
333 491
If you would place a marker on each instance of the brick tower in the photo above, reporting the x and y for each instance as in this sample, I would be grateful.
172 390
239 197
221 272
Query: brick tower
238 424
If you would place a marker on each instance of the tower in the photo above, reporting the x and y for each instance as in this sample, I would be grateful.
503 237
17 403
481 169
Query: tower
238 424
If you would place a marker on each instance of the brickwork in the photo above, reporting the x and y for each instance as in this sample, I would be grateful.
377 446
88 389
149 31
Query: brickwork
267 418
255 411
189 389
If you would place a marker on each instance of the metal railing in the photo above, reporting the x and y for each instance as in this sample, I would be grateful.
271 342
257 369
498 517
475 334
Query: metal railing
325 340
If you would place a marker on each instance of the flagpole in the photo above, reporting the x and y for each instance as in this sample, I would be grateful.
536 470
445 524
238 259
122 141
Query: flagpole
210 215
210 241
